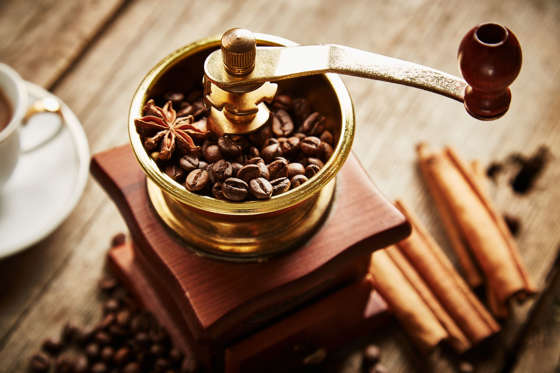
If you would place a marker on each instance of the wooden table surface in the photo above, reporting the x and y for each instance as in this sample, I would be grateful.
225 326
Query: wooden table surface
93 53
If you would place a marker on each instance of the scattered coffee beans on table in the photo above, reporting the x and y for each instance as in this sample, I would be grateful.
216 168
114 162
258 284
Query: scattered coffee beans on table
283 154
127 339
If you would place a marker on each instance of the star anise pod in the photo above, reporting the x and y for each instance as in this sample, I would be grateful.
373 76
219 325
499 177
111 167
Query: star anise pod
161 127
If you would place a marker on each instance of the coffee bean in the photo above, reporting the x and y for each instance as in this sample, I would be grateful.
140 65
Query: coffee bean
102 338
260 188
81 364
278 168
40 363
197 180
106 321
133 367
70 332
301 108
212 153
175 172
325 151
235 166
185 109
198 109
254 152
228 147
107 353
271 151
175 356
220 170
190 365
235 189
261 135
297 181
111 305
174 97
217 191
189 163
295 169
99 367
280 185
299 135
51 346
290 146
92 350
252 171
107 283
255 160
123 318
311 170
118 239
161 365
327 137
315 161
271 141
282 124
122 356
140 323
141 339
283 102
314 124
202 165
466 367
310 145
64 364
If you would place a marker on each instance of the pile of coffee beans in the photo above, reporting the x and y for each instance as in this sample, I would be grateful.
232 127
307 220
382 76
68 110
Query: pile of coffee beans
127 339
283 154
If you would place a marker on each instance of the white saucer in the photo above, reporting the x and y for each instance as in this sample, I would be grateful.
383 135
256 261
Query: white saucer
47 182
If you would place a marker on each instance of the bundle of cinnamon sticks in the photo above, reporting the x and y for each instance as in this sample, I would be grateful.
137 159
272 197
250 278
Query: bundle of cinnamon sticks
486 249
426 294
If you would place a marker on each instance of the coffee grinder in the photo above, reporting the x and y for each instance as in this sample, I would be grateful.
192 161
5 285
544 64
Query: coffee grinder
251 286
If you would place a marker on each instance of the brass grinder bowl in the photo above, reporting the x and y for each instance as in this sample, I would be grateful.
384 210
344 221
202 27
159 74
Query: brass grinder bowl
251 230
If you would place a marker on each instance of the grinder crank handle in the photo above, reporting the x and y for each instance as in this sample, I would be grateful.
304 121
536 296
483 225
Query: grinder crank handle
489 58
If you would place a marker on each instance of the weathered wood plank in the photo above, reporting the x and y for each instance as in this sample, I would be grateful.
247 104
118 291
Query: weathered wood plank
41 39
61 271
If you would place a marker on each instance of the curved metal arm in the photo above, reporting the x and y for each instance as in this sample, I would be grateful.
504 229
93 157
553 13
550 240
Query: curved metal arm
277 63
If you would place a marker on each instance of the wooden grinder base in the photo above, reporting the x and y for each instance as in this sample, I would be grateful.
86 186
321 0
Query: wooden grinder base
238 316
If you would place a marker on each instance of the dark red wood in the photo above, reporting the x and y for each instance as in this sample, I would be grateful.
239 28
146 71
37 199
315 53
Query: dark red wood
350 312
490 60
222 302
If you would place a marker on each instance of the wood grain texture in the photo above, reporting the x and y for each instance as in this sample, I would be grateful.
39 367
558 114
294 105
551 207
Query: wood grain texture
222 301
55 280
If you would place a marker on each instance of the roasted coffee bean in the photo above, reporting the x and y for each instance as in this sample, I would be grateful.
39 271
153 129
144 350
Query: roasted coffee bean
118 239
311 170
64 364
272 140
122 356
235 189
220 171
295 169
108 283
40 363
189 163
184 109
301 108
254 152
81 364
202 165
278 168
158 334
161 365
235 166
198 109
271 151
327 137
297 180
70 332
255 160
107 353
290 146
197 180
466 367
371 355
140 323
252 171
283 102
282 124
325 151
111 305
228 147
261 135
123 318
310 146
92 350
106 321
280 185
190 365
314 124
300 135
142 339
176 356
99 367
315 161
157 350
260 188
212 153
133 367
174 97
217 191
102 338
51 346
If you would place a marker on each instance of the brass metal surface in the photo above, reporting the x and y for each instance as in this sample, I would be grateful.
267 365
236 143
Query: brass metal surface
277 63
247 230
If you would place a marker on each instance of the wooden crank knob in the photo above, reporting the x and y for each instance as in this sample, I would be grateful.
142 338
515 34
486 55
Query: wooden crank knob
490 59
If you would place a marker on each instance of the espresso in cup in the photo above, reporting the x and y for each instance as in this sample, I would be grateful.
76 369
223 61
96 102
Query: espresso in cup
5 111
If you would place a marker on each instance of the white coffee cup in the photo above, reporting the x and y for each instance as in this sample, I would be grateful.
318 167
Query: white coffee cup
14 90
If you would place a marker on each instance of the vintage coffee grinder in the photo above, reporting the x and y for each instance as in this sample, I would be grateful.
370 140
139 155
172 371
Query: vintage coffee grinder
252 286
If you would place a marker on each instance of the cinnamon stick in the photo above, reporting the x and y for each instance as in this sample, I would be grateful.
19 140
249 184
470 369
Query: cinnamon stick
482 230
